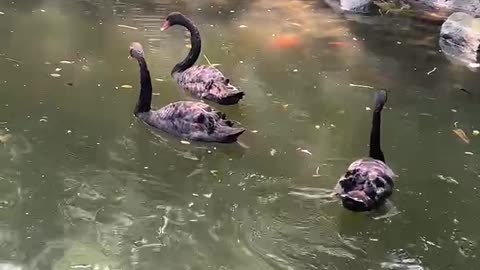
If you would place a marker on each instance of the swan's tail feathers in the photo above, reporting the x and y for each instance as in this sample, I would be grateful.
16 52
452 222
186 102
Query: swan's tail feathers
223 92
232 98
230 134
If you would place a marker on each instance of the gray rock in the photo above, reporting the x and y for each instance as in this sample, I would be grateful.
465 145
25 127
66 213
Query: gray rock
460 37
468 6
357 6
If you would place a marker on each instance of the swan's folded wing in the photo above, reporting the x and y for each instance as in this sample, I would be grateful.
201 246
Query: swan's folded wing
206 80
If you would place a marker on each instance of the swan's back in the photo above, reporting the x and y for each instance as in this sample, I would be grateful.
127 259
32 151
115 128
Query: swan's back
193 120
208 83
366 184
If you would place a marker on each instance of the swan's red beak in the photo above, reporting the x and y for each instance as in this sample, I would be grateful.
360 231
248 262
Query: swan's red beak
165 26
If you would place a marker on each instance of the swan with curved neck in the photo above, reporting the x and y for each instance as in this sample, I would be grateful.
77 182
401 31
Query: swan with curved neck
368 182
195 121
202 81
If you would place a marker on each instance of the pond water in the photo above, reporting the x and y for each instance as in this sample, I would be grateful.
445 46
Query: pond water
84 185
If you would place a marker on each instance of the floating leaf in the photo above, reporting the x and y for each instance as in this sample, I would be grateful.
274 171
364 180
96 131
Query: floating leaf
127 26
461 134
447 179
126 86
305 151
361 86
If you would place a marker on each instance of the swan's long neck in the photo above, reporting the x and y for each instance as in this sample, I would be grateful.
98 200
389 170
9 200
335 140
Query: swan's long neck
375 149
195 49
145 98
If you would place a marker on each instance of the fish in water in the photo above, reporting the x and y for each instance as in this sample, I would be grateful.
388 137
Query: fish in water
284 41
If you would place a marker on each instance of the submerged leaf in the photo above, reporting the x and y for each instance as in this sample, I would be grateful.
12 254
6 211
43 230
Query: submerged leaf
461 134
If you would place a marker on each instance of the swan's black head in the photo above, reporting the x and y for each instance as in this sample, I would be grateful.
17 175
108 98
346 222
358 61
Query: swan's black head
173 19
136 50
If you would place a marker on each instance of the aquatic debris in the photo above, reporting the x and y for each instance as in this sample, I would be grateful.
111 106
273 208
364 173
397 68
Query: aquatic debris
85 68
58 69
195 172
242 26
4 138
55 75
273 151
208 61
254 131
304 151
209 195
431 71
127 26
447 179
159 80
361 86
2 13
316 172
461 134
13 60
317 126
126 86
285 41
66 62
469 153
476 132
368 108
337 43
184 142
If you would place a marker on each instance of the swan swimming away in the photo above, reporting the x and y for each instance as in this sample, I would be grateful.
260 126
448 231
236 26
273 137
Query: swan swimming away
195 121
201 81
368 182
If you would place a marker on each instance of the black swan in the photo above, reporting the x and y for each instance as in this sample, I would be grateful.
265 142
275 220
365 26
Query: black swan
204 82
195 121
368 182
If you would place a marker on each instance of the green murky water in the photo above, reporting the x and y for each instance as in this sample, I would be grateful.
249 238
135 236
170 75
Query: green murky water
84 185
